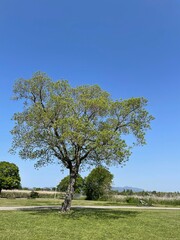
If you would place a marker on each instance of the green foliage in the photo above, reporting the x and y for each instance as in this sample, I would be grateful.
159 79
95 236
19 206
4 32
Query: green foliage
139 202
34 194
77 126
98 183
79 185
132 200
144 200
9 176
127 192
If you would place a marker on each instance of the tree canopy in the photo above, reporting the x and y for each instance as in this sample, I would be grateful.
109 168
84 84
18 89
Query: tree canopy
78 188
9 176
75 125
98 183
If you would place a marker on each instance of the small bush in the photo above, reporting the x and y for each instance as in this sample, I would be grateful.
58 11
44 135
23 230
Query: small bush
145 202
132 200
33 194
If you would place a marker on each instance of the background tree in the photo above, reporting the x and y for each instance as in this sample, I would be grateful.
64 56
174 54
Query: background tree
78 188
76 126
98 183
9 176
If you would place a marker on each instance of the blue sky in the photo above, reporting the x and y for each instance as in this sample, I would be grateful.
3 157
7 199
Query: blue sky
130 48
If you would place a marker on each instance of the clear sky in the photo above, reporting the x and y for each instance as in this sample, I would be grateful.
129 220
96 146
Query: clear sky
130 48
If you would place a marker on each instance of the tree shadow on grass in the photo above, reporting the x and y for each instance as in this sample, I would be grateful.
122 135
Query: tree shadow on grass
79 213
102 213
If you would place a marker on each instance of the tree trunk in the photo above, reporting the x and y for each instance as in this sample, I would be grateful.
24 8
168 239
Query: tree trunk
66 205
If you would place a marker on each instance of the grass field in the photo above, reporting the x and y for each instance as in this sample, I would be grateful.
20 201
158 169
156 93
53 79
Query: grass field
4 202
94 224
19 197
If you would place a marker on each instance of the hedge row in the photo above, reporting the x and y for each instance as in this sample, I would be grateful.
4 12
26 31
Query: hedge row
32 194
144 201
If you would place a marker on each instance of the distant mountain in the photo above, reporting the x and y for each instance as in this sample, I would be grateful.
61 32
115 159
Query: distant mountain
121 189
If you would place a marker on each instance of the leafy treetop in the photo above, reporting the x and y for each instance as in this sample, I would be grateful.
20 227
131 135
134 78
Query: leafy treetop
9 176
76 125
98 183
64 183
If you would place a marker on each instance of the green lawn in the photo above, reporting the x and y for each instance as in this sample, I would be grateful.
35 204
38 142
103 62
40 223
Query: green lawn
85 224
4 202
57 202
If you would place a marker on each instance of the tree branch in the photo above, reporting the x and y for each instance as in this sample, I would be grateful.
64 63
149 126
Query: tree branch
41 99
126 124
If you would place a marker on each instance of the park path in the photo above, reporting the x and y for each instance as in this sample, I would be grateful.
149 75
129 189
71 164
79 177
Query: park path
93 207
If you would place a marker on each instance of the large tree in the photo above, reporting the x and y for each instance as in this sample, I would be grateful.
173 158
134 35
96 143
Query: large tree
75 125
64 183
98 183
9 176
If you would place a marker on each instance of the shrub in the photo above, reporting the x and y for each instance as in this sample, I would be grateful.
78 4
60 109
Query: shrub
34 194
132 200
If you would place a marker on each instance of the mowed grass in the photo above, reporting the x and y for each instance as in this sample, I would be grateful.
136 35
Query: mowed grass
4 202
93 224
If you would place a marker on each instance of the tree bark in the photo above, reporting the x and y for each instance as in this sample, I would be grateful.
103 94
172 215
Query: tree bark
66 205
